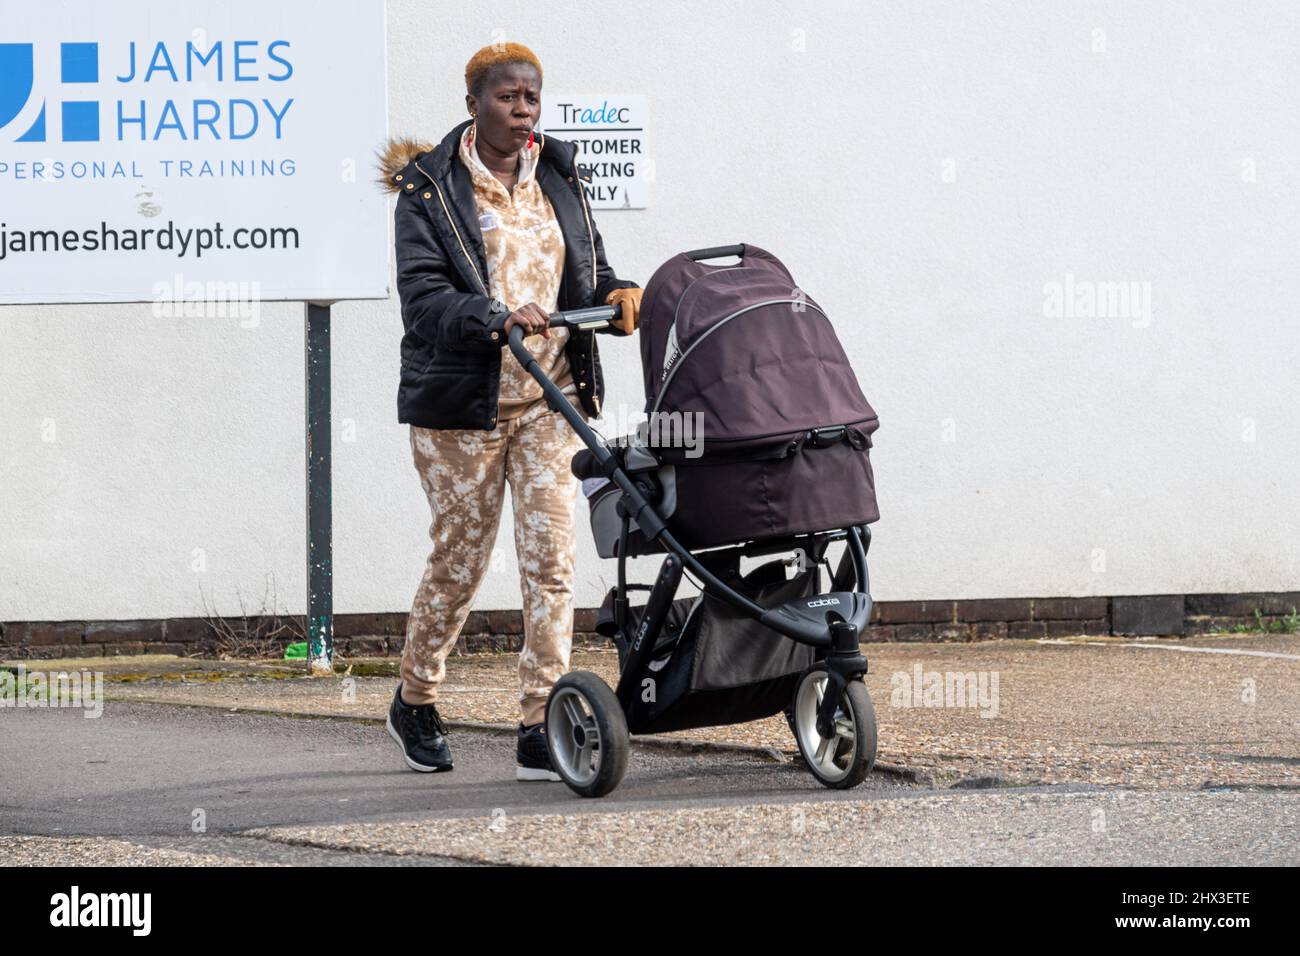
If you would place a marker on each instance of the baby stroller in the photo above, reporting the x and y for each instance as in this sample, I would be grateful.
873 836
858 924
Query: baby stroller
757 446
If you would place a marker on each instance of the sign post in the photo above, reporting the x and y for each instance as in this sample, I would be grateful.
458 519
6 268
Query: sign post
210 155
320 547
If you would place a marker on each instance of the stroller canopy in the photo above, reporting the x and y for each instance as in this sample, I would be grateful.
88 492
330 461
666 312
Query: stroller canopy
757 428
744 346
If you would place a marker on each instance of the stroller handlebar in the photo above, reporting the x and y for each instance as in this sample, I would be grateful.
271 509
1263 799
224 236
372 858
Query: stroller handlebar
597 318
716 252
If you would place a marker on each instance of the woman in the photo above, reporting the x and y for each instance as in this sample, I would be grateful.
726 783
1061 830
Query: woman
493 221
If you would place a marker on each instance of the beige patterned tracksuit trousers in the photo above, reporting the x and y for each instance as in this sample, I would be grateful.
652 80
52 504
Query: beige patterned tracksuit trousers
464 473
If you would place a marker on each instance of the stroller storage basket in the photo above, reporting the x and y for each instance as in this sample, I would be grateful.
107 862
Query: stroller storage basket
723 667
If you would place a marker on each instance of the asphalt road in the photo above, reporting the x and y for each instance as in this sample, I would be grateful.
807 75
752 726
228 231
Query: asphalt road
144 771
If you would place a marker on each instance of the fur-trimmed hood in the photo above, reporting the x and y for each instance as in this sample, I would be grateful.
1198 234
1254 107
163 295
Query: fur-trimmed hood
400 151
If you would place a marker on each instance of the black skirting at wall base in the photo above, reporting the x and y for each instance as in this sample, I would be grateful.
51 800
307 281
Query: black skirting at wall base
383 634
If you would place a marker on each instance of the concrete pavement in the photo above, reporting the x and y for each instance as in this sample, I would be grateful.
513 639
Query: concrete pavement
1094 752
1203 711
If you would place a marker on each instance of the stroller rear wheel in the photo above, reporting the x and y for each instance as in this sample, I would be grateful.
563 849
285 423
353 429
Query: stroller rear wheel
843 760
586 734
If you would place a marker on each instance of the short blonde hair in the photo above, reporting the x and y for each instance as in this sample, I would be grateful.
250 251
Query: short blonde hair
497 54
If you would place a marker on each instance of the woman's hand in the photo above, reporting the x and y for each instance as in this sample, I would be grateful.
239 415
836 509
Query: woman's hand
629 304
532 318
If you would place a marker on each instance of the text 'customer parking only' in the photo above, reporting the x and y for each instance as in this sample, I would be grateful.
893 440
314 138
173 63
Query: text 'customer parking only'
610 133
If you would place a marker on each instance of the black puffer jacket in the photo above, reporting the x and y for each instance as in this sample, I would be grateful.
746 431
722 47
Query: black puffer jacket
451 360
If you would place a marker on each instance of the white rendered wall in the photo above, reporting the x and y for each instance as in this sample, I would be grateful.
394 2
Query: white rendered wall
925 171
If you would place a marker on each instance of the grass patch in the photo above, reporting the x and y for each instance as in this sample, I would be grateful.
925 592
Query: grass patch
1285 624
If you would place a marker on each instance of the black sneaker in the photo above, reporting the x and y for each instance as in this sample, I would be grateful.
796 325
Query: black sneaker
534 760
419 732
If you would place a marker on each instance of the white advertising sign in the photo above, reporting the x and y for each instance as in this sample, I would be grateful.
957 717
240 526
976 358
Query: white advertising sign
610 132
151 150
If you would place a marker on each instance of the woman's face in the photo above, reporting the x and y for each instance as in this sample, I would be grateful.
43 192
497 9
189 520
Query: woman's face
510 107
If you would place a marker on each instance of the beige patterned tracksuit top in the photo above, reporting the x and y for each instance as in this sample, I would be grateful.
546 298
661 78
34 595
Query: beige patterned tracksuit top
525 259
464 471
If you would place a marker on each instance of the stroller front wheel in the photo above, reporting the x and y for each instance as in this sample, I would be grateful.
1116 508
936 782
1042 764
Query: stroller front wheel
843 760
586 734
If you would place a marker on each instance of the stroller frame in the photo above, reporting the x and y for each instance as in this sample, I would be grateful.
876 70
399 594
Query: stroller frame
830 621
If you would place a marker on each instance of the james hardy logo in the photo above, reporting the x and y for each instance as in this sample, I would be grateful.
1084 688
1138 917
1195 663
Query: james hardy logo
84 69
78 65
76 908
